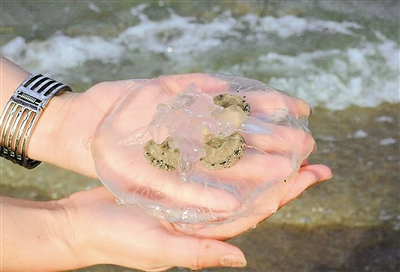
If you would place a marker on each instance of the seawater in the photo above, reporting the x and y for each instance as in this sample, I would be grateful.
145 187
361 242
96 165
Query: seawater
342 57
323 53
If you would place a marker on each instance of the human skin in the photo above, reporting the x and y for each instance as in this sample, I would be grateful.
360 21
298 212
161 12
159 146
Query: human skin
88 227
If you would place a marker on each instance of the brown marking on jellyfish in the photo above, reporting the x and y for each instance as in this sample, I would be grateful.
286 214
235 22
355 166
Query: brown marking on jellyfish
226 100
223 152
162 156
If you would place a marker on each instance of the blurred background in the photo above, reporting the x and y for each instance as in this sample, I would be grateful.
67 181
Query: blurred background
342 57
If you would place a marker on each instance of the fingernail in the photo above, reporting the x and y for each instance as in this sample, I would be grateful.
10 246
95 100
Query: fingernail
233 261
327 178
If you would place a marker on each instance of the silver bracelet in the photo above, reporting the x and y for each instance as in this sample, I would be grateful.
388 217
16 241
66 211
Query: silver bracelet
21 114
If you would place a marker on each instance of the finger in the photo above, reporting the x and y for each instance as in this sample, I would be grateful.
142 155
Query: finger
321 171
262 99
254 168
233 228
282 140
308 176
265 101
198 253
262 102
304 163
143 184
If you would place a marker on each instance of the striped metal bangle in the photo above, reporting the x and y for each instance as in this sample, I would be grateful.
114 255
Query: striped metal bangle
21 114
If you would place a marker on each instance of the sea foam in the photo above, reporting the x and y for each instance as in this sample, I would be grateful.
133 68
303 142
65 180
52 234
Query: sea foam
359 66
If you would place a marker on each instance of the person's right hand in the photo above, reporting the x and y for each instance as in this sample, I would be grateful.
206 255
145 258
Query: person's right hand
107 233
104 232
308 176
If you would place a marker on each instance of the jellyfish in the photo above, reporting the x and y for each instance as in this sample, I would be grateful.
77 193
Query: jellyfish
202 151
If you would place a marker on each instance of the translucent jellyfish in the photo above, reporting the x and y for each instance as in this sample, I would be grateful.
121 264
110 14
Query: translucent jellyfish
202 149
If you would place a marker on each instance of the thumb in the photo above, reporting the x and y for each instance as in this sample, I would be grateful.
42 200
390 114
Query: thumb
308 176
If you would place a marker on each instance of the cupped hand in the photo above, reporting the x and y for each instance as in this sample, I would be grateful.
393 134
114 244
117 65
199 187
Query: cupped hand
308 176
281 150
108 233
282 144
118 234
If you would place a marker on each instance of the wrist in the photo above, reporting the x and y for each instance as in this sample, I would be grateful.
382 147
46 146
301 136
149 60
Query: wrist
37 236
60 135
69 124
78 231
20 116
47 141
25 106
64 247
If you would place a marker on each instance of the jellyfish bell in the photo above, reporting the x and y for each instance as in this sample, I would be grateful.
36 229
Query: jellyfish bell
205 154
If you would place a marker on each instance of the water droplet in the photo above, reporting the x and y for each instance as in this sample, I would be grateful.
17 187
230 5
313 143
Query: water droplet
86 142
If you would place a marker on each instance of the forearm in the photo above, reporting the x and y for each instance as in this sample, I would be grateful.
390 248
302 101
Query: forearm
42 141
58 135
35 236
11 77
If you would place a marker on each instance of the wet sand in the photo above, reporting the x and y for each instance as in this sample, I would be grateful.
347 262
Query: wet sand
350 223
